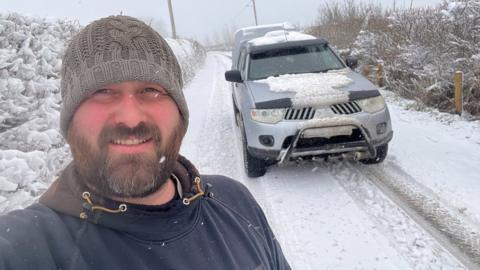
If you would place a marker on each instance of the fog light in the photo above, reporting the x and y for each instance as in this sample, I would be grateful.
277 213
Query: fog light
381 128
266 140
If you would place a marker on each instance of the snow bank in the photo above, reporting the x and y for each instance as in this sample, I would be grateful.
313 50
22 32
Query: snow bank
32 151
190 54
312 89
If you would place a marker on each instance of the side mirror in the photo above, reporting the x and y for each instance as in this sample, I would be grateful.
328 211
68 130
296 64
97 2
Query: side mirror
352 62
233 76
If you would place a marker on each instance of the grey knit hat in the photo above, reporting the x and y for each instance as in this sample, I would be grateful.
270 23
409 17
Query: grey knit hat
112 50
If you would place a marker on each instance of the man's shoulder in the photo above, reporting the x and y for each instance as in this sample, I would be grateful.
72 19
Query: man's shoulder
34 218
29 213
226 187
37 233
236 196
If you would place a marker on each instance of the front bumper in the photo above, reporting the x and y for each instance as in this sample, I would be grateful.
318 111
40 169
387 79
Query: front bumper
366 146
289 143
327 149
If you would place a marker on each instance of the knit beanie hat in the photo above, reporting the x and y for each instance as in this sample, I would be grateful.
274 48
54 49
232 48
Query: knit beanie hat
113 50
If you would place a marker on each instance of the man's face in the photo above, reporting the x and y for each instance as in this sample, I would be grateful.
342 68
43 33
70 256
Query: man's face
125 139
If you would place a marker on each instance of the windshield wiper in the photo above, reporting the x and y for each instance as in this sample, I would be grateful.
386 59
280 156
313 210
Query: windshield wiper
324 70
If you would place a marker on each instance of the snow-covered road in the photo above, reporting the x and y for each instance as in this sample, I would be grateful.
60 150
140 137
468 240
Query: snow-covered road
326 215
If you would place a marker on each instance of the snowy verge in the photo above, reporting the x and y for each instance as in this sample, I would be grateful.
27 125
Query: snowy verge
32 151
190 54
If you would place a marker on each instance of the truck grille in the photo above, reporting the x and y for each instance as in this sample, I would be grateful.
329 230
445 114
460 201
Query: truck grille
299 114
346 108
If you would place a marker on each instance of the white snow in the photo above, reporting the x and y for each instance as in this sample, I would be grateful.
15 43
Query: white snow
279 36
6 185
312 89
329 127
338 120
254 29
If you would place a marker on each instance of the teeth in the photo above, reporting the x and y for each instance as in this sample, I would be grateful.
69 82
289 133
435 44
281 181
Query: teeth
129 142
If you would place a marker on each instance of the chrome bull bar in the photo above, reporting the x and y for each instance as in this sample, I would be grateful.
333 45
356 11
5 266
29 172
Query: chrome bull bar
285 155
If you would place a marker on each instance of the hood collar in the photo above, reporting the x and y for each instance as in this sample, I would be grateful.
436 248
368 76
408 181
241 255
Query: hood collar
69 195
146 223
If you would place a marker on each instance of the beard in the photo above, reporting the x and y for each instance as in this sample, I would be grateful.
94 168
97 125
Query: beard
117 175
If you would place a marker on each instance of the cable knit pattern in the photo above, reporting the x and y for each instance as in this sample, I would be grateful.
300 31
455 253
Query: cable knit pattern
112 50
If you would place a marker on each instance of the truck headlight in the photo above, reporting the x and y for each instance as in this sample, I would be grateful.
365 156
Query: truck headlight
270 116
371 105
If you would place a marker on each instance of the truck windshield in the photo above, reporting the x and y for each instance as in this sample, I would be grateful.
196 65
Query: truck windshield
292 60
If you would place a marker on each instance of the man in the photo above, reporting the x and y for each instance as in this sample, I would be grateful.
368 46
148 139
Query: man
129 200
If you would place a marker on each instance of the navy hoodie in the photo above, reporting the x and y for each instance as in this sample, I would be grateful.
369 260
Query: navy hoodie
213 223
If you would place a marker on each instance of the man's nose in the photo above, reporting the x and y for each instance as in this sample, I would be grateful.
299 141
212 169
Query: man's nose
129 111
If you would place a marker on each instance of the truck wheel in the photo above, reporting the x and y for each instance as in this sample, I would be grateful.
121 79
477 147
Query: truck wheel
255 167
382 151
235 111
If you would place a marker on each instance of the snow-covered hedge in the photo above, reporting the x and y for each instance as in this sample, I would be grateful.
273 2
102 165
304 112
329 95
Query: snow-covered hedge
420 48
190 55
32 151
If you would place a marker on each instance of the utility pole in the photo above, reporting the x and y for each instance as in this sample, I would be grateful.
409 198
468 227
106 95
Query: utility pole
172 21
255 12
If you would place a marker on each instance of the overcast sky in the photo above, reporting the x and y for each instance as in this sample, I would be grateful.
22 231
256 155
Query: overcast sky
193 18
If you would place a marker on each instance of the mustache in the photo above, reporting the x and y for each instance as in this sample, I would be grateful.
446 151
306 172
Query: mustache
142 131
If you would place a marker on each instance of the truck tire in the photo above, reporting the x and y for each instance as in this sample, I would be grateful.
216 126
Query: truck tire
254 166
382 151
235 111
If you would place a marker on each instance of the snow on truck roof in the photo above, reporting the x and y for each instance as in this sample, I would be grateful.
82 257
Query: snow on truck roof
245 34
256 31
279 36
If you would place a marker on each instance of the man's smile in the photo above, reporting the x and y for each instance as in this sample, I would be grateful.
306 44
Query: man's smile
130 141
131 145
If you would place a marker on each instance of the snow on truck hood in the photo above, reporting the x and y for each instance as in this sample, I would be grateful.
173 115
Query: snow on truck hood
310 89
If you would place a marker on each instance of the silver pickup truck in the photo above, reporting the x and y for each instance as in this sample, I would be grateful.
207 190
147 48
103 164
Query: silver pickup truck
294 97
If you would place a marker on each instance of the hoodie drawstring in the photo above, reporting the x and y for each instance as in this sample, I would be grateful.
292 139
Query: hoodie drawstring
91 207
199 190
123 207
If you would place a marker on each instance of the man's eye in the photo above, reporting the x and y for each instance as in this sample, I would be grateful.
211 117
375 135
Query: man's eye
103 92
154 93
152 90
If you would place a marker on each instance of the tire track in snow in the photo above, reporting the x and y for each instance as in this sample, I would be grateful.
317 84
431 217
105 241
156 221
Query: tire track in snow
456 234
417 245
219 141
214 144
